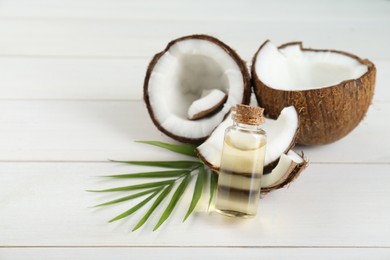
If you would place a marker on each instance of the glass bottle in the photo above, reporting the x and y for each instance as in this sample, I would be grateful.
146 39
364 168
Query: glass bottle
242 163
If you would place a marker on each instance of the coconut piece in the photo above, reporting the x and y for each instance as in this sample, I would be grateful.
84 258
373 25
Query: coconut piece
281 135
177 76
289 166
210 102
331 90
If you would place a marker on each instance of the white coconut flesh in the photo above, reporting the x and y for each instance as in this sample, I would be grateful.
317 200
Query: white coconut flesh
280 137
281 172
291 68
210 101
180 76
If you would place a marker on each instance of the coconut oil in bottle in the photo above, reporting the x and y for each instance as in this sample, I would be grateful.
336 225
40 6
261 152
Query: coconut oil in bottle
242 163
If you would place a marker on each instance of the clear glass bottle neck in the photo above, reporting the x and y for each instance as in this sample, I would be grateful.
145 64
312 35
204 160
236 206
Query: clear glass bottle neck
246 126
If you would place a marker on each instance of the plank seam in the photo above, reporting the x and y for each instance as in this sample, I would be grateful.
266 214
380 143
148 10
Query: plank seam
172 246
102 161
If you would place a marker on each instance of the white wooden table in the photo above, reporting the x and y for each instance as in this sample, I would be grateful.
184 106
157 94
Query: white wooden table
71 75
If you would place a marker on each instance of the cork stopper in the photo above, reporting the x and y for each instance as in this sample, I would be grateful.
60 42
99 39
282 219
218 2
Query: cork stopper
249 115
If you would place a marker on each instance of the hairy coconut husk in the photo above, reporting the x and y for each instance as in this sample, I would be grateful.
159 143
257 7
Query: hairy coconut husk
326 114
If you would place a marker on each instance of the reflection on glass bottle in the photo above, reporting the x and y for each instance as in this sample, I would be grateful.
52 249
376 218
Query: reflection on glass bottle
242 164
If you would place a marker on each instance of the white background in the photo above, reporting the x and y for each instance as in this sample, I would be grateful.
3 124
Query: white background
71 76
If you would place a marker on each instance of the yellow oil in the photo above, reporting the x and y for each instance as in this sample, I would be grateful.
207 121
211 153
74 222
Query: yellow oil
239 180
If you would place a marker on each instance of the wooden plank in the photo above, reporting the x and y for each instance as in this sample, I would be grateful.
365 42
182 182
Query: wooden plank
72 78
43 130
45 204
61 130
201 10
143 38
98 78
194 253
87 50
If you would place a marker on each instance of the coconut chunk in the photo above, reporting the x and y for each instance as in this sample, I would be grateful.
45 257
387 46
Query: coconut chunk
281 133
280 138
210 102
287 165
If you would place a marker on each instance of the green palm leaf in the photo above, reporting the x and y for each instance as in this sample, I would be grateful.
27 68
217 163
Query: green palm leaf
135 208
158 174
130 197
175 198
166 164
157 202
197 191
137 186
177 170
186 149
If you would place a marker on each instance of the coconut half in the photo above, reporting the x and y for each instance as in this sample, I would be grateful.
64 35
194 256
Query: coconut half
281 135
331 90
177 77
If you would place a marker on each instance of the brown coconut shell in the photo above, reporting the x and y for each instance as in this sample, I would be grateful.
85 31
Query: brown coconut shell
241 64
327 114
